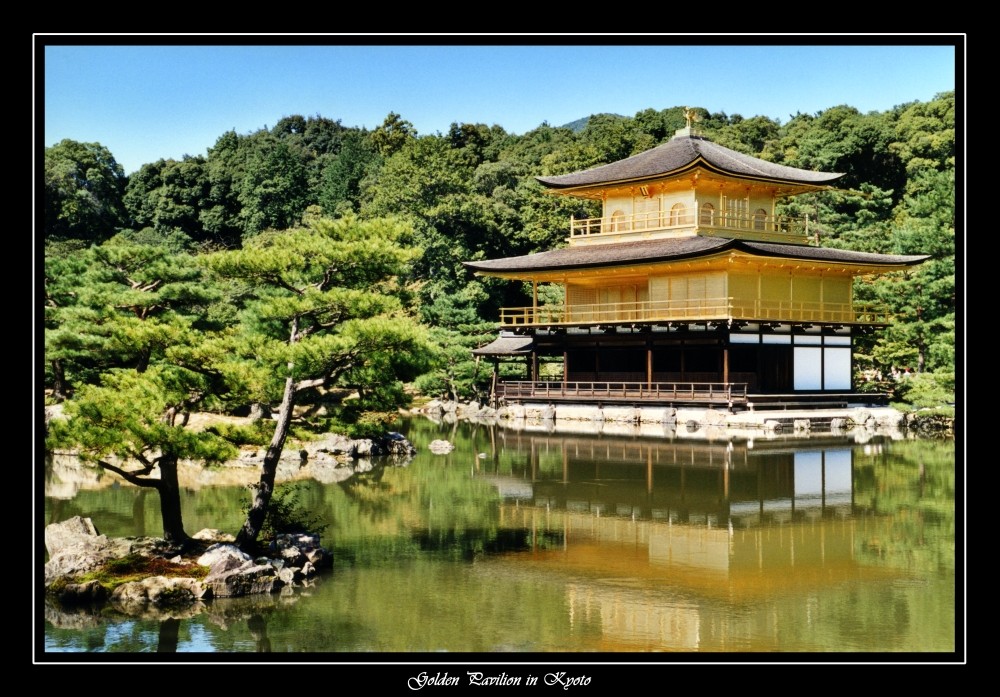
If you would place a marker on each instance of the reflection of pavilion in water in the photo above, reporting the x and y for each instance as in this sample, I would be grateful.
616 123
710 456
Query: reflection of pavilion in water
731 521
716 483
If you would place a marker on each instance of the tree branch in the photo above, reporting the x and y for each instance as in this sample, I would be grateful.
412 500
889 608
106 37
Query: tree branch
131 476
327 276
330 324
281 283
306 384
137 285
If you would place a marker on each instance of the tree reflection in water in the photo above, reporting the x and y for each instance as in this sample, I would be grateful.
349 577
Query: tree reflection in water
581 542
258 629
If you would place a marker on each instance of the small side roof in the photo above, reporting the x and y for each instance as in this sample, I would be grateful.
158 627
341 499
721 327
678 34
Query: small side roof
506 346
681 153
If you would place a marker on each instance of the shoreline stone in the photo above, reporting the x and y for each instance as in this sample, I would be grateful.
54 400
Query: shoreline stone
331 459
797 420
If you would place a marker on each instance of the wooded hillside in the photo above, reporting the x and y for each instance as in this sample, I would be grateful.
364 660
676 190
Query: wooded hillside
129 282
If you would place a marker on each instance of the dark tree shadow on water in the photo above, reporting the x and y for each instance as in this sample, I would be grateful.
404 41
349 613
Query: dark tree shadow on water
167 642
258 629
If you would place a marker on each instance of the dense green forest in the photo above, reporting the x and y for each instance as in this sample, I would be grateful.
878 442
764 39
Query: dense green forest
176 279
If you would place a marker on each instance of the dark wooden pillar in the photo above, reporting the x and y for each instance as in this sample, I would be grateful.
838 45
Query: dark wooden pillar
649 366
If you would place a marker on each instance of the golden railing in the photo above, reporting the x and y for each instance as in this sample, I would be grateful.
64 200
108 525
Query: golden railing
692 310
759 227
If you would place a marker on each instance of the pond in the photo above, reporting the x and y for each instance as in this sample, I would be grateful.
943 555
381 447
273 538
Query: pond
541 542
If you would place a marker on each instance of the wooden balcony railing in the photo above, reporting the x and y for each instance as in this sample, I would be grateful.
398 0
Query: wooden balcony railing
694 310
666 392
750 226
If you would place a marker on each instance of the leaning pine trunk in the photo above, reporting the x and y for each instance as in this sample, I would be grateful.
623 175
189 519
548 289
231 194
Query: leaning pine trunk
247 537
170 501
60 388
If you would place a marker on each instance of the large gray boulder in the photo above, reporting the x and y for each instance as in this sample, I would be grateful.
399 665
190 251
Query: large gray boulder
300 549
81 593
364 447
398 445
76 548
223 557
59 536
233 573
249 579
159 590
213 535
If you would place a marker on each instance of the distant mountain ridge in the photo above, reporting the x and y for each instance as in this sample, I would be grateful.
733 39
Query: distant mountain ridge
580 124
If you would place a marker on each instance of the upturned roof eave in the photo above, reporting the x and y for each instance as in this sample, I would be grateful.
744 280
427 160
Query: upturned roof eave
872 260
860 263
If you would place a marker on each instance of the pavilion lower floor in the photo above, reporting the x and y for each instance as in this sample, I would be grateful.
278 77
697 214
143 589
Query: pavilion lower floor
685 364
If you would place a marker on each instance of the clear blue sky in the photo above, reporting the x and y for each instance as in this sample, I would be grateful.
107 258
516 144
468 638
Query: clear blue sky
150 102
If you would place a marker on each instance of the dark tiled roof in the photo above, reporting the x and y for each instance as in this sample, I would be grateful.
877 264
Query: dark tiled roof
506 346
646 251
796 251
678 154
